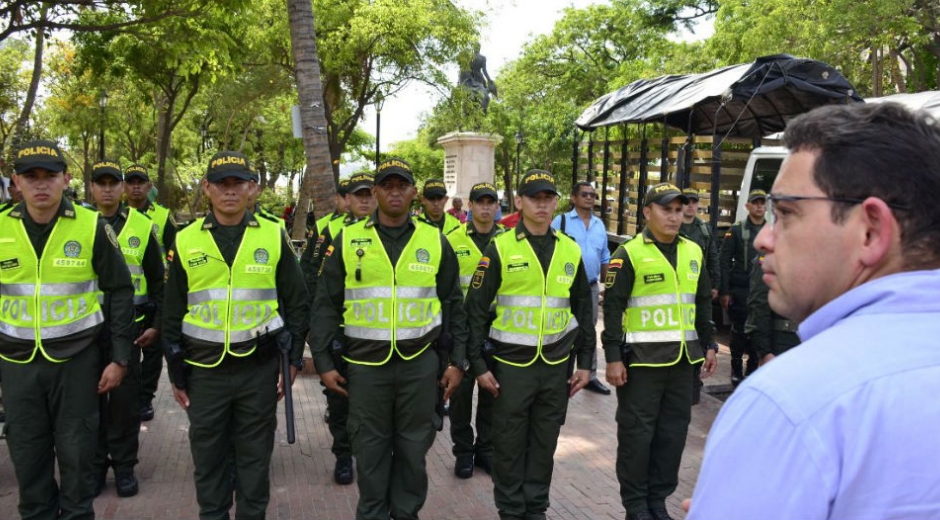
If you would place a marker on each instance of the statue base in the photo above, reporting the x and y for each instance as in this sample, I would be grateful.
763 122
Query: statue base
469 158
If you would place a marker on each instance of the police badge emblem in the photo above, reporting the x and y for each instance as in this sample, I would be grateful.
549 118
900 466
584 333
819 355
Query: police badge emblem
72 249
133 242
693 265
423 256
569 269
261 256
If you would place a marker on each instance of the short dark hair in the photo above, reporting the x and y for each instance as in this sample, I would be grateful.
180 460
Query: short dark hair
878 150
577 187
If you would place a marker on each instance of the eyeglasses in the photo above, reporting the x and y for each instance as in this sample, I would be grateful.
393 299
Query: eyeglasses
588 194
773 199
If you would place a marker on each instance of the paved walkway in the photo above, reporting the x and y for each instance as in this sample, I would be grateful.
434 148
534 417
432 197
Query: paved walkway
584 483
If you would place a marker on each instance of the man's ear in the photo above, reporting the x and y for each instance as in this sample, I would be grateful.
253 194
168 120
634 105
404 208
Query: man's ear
881 231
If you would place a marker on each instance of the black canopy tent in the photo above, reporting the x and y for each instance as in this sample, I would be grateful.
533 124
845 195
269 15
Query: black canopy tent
748 100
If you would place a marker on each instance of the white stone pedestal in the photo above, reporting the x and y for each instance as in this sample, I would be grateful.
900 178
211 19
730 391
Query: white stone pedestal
469 158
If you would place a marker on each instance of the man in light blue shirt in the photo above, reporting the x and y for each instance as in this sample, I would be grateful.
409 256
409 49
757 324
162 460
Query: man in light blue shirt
589 232
844 426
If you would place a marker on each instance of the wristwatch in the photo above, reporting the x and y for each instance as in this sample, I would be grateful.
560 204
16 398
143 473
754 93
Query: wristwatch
121 363
462 365
713 346
299 364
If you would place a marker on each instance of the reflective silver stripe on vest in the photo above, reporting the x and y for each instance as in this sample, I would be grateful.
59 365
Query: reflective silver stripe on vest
235 336
237 295
68 289
141 299
373 293
385 334
135 269
518 301
531 340
660 336
48 289
465 280
370 293
659 299
55 331
17 289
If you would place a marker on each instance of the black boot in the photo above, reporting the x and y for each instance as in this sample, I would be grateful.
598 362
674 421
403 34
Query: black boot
463 468
343 472
737 371
125 482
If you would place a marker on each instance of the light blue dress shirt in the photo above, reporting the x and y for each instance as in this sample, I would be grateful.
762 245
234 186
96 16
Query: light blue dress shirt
845 426
592 239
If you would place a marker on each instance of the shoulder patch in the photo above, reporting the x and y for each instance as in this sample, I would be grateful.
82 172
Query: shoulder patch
109 232
484 262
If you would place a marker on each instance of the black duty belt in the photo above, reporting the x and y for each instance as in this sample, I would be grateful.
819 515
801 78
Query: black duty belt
782 325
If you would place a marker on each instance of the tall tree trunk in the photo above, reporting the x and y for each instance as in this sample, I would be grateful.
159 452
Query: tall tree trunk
164 132
33 82
317 184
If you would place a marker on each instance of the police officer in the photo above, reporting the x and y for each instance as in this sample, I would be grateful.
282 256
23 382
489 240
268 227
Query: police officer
340 207
537 279
770 333
657 319
258 209
234 289
360 203
469 241
393 282
57 260
434 200
736 258
136 187
119 432
698 231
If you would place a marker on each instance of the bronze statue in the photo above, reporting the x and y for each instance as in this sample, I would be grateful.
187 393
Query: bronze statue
478 80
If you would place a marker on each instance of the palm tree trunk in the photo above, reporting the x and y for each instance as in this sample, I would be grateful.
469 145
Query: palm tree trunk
317 185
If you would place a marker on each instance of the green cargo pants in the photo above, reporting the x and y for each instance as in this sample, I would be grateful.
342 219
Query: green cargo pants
461 411
119 428
232 407
527 418
52 419
391 427
653 413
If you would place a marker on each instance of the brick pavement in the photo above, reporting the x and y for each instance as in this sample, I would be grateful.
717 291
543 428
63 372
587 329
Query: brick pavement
584 483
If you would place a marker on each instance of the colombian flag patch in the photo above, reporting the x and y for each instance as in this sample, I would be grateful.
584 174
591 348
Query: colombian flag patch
484 262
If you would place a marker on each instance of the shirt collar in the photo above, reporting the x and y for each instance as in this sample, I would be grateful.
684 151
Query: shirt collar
373 220
210 221
523 233
648 238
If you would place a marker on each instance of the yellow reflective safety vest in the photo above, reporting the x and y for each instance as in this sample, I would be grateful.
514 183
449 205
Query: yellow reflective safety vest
390 308
659 323
468 254
133 241
45 300
229 307
333 221
450 222
533 309
159 215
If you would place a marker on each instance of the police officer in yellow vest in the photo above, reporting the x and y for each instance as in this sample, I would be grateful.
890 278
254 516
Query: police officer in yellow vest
543 304
234 286
469 241
58 261
657 321
136 187
118 438
340 206
434 200
360 204
258 209
393 283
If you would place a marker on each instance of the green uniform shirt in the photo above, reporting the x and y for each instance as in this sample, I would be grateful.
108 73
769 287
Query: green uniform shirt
327 314
619 283
770 333
447 223
114 280
168 227
291 292
699 232
487 281
737 254
152 262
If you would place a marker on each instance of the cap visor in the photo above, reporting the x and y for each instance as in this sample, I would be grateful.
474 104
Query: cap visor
665 201
51 166
219 176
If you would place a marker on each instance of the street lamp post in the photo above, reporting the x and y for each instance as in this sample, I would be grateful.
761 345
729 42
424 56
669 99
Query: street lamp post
103 103
379 103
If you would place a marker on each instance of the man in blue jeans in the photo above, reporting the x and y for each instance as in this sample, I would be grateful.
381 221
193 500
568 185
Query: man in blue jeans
588 231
